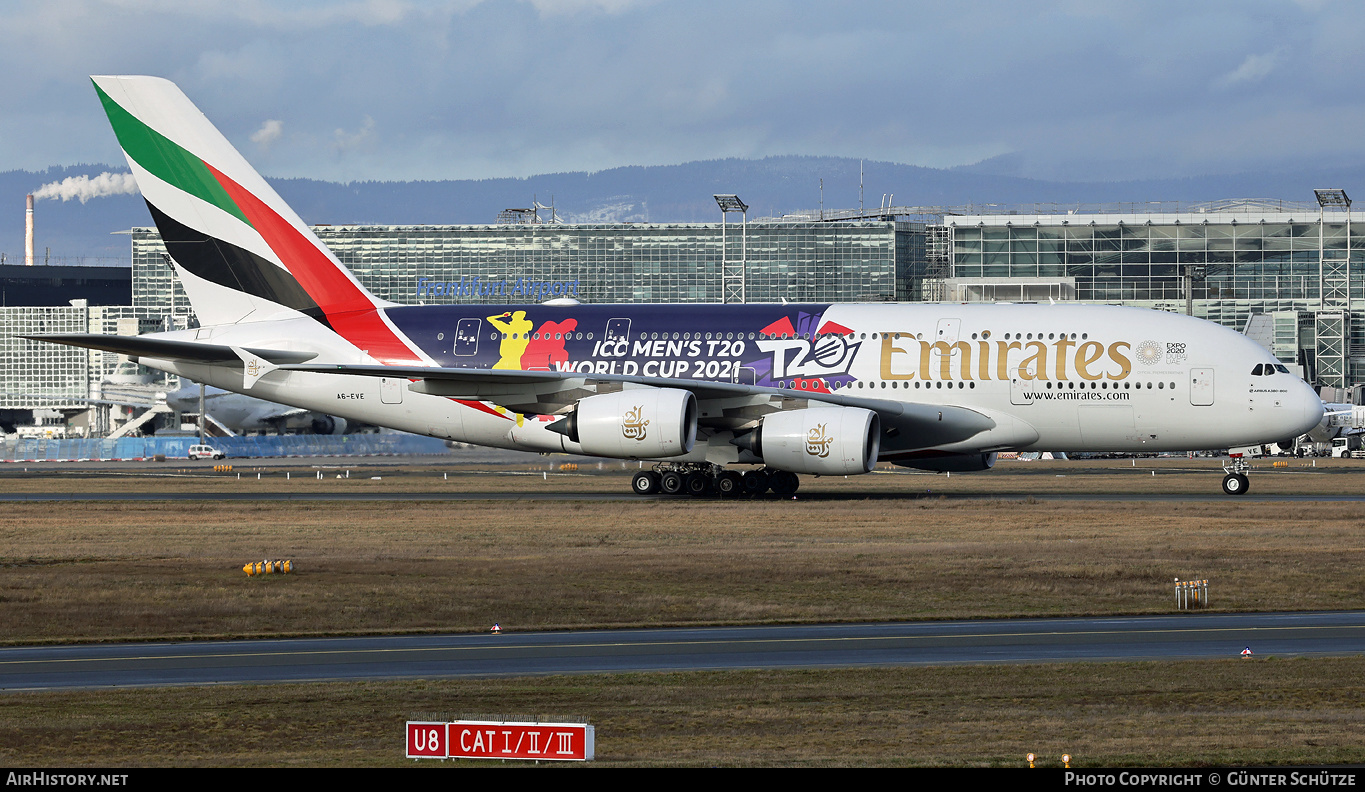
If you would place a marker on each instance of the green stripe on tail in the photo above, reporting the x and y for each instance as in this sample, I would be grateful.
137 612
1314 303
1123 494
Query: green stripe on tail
166 160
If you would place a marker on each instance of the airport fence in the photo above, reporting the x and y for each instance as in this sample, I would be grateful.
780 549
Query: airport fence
139 448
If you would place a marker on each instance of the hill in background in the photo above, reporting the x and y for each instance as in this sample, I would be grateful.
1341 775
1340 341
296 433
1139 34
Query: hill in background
667 193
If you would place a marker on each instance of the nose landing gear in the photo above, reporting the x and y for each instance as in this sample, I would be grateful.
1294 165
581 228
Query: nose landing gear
1236 481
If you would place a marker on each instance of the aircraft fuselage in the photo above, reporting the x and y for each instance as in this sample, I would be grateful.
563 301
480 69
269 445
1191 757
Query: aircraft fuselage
1068 377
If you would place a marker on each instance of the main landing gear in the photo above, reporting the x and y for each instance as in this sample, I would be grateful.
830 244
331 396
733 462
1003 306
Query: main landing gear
701 480
1236 481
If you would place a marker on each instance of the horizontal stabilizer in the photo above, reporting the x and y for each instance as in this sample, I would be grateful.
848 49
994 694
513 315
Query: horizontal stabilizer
165 349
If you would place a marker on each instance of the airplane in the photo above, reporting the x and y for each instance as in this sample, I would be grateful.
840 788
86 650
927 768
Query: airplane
233 412
1339 420
816 389
245 414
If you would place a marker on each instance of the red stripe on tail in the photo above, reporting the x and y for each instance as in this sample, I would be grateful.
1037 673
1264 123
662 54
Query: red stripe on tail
348 309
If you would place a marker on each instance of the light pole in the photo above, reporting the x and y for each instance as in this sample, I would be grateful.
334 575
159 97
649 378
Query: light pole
733 277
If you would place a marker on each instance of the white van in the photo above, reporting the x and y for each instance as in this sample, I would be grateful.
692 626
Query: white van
205 452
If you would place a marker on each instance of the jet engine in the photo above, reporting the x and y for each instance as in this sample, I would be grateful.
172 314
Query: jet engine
952 463
640 423
822 440
328 425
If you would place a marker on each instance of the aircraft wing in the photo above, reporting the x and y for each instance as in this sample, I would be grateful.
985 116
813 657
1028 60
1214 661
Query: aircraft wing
83 400
192 351
723 405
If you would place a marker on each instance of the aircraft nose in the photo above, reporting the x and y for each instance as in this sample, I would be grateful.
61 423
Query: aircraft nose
1312 407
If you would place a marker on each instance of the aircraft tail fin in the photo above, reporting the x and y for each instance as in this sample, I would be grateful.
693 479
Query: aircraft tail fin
241 253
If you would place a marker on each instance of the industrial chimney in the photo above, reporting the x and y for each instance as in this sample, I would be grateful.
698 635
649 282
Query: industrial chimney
28 233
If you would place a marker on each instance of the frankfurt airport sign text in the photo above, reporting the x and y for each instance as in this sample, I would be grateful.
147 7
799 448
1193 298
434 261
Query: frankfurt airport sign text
518 288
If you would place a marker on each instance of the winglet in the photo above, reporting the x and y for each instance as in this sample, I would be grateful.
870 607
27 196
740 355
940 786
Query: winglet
253 367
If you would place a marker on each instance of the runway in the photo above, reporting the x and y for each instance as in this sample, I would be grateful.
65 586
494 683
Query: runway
618 651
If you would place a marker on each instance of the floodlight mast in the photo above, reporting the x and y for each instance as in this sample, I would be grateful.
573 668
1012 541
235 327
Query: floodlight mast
1332 320
1328 198
733 277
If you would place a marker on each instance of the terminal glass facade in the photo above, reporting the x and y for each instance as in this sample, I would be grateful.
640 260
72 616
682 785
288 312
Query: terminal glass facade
1141 259
1239 263
873 261
59 374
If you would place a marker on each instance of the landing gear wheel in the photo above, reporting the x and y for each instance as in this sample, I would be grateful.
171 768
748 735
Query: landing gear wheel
646 482
1236 484
697 484
755 482
785 482
729 484
671 483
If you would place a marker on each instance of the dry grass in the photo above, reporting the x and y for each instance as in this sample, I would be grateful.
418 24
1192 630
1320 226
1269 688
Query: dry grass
92 570
1234 712
893 546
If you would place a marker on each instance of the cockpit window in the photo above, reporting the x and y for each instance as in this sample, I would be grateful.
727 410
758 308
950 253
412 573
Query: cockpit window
1260 369
1280 367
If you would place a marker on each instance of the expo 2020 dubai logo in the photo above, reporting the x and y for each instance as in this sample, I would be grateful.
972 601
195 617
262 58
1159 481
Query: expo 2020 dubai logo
1149 352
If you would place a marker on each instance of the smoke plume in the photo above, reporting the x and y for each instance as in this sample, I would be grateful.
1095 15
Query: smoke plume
84 188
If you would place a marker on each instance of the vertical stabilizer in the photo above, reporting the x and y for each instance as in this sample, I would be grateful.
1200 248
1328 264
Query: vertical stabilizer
242 254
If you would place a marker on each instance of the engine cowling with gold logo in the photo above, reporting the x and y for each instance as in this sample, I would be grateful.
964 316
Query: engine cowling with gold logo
822 440
639 423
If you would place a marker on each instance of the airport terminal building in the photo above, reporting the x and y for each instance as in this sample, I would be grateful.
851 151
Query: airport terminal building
864 261
1298 263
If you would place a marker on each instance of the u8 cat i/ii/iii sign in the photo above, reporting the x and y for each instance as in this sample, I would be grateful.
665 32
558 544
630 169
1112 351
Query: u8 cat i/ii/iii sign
426 740
556 742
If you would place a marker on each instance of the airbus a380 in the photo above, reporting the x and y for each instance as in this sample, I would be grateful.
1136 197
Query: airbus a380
817 389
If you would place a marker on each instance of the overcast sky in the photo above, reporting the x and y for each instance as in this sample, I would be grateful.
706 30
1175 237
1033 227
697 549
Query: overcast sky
389 89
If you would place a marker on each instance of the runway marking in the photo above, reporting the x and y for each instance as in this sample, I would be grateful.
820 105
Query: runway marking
666 644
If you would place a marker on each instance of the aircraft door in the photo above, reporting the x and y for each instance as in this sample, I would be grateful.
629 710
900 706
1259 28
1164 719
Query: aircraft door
1201 387
1021 389
948 330
467 337
617 330
390 390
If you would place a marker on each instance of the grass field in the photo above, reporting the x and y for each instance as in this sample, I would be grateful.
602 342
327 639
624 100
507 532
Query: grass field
1226 712
870 548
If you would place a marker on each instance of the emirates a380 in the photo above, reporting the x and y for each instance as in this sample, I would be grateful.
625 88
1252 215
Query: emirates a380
820 389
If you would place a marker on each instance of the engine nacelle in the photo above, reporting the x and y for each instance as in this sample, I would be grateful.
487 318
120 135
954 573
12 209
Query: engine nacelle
828 441
640 423
952 463
328 425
